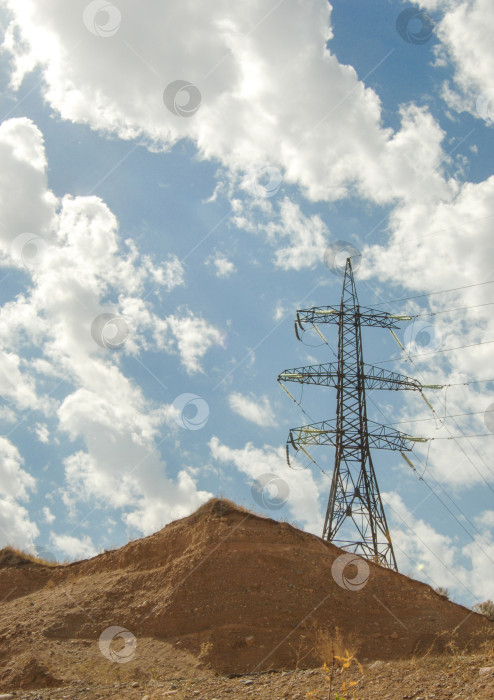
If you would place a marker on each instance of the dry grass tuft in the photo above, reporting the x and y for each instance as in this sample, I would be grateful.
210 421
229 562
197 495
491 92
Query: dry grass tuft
338 656
11 556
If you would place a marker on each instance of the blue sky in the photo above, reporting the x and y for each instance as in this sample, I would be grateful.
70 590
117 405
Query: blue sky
204 233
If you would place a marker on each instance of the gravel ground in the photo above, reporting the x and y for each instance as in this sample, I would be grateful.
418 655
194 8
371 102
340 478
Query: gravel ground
422 679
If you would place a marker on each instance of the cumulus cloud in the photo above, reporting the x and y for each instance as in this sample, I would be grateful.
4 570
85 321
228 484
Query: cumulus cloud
465 31
14 481
42 432
441 247
301 489
437 558
193 337
250 109
299 240
48 515
16 527
224 267
258 411
73 259
74 547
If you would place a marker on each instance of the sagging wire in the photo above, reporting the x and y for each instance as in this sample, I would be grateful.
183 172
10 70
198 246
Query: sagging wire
443 423
297 403
438 386
301 448
324 339
298 325
426 459
421 478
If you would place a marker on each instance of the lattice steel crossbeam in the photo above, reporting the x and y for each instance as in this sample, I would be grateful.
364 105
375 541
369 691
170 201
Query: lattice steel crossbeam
327 375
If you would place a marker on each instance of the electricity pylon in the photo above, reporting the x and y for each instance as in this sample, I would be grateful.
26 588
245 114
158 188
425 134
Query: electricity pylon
354 494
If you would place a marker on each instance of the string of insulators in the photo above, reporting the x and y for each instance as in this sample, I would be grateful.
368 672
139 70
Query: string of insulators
286 391
293 442
427 401
306 453
408 461
297 403
396 338
320 334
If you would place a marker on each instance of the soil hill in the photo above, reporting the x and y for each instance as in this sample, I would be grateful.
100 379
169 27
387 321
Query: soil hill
222 590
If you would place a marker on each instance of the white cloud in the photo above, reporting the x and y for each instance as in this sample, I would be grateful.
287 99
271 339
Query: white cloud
73 547
42 432
279 311
84 261
48 515
224 267
194 336
487 518
14 481
300 241
426 554
301 489
16 528
181 498
258 411
316 122
465 30
436 247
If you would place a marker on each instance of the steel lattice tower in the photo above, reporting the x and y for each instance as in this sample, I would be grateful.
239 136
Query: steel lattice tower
354 497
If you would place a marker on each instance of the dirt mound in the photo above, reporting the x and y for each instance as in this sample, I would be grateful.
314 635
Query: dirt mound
222 590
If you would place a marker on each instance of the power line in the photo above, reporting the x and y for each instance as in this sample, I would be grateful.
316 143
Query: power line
433 352
421 478
459 427
415 534
452 228
441 291
459 308
453 415
458 437
473 381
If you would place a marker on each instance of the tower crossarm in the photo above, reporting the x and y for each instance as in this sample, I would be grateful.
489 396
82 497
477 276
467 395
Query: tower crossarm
327 375
379 378
326 433
365 315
